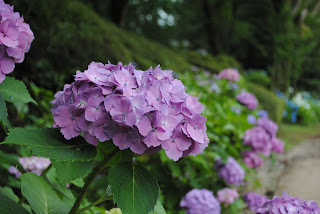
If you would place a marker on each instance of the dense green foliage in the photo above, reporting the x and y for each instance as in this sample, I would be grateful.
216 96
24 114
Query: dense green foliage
268 100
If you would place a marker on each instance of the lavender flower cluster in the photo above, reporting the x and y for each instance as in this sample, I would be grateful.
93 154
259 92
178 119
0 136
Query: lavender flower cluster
31 164
140 110
261 139
230 74
247 99
231 172
254 200
227 195
15 39
288 204
200 201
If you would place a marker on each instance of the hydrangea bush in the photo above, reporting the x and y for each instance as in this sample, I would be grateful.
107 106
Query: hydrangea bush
15 39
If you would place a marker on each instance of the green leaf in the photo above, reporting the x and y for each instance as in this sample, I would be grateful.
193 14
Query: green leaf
8 192
8 206
68 171
158 209
41 197
10 159
51 144
3 111
134 189
124 155
14 90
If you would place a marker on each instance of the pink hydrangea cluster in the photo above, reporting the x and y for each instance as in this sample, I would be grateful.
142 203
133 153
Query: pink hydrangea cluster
227 195
200 201
230 74
254 200
15 39
31 164
288 204
247 99
140 110
261 139
231 172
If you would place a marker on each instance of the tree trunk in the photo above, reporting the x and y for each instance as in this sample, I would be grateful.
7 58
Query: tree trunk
208 26
118 10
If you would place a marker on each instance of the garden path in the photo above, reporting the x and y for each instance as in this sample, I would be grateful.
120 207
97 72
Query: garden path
296 172
301 176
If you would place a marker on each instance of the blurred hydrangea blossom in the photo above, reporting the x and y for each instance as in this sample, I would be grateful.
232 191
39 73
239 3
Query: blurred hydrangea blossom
288 204
258 139
231 172
200 201
230 74
268 125
31 164
236 110
251 119
15 39
227 195
252 159
247 99
254 200
263 114
140 110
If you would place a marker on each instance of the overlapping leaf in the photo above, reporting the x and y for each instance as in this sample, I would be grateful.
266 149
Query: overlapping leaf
68 171
14 90
134 189
41 197
8 206
51 144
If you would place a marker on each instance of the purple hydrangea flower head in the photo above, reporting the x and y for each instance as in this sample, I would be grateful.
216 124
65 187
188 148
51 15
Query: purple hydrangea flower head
230 74
288 204
247 99
34 164
254 200
140 110
200 201
270 126
251 119
231 172
15 39
258 139
227 195
31 164
14 171
277 145
263 113
252 159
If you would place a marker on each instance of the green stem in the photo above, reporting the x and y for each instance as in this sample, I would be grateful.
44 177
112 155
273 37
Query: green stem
96 170
95 203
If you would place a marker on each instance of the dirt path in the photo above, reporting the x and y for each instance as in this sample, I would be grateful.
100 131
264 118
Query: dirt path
301 177
296 172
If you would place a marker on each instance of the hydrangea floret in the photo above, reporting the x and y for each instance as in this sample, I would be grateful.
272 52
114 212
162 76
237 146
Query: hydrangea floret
15 39
231 172
254 200
31 164
252 159
227 195
140 110
288 204
258 139
263 114
251 119
200 201
247 99
230 74
268 125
